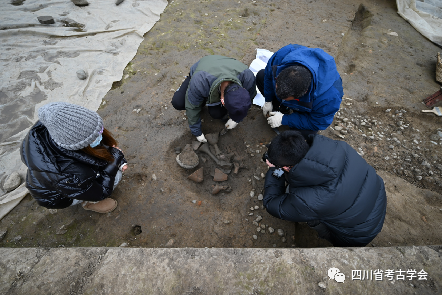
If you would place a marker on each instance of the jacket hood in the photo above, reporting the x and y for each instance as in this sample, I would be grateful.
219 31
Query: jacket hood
324 166
321 65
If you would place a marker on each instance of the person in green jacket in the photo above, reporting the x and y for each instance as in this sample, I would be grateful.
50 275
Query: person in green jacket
223 84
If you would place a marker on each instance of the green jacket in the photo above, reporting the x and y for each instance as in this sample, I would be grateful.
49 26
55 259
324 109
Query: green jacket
204 86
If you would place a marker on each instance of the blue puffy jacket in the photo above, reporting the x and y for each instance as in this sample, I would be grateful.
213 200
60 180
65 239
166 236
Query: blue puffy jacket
316 109
334 185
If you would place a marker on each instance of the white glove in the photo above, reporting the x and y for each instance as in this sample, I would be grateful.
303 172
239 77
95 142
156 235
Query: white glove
201 138
267 107
231 124
275 119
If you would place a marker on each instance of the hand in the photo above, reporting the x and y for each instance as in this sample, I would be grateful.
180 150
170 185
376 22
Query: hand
275 119
266 108
269 164
123 167
201 138
231 124
118 156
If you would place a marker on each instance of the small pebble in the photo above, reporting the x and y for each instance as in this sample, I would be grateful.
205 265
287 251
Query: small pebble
12 182
256 207
82 75
271 230
280 232
46 20
255 237
252 194
260 197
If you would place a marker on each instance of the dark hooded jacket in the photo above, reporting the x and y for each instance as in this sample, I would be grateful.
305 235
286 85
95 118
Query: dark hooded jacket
56 175
334 185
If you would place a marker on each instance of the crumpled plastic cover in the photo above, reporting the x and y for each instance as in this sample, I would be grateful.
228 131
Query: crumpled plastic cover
425 16
259 63
38 62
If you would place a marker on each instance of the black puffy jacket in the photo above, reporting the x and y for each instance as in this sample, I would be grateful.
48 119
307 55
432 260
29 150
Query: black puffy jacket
334 185
56 175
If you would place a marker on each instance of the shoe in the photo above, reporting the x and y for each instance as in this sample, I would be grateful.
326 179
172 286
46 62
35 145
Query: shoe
104 206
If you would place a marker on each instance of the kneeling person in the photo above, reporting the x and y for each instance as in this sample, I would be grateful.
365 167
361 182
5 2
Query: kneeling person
331 187
223 84
72 159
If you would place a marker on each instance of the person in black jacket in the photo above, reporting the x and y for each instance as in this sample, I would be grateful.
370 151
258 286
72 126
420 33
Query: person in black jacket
72 159
330 186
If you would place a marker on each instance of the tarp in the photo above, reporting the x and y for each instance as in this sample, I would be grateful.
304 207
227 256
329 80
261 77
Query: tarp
38 62
259 63
425 16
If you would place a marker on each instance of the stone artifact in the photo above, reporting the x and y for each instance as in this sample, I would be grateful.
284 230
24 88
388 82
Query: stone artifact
196 144
205 149
217 188
197 176
219 175
212 139
187 159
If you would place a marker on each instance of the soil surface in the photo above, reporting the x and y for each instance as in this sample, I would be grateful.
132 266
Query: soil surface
387 68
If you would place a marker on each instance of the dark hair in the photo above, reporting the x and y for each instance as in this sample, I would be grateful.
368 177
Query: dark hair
287 149
100 151
293 81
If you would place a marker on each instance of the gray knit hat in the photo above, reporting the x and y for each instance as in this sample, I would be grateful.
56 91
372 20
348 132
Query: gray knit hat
71 126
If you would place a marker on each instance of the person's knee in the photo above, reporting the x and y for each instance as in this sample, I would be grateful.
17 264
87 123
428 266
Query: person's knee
178 103
260 80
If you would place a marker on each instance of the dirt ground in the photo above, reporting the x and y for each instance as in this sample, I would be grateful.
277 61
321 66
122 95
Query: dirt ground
385 79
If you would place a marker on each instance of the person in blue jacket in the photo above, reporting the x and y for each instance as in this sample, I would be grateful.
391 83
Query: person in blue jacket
330 186
304 80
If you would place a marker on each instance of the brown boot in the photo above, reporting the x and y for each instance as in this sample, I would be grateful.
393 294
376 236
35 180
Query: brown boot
104 206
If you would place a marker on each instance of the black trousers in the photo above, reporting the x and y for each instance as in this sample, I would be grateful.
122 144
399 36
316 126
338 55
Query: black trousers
179 101
277 107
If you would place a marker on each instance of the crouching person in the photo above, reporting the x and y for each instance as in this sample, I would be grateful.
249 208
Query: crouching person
223 84
330 186
72 159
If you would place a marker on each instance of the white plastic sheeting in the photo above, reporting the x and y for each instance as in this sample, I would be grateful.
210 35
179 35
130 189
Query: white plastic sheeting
38 62
259 63
425 16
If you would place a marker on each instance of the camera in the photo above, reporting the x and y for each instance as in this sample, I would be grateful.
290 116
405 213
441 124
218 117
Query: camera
278 172
265 157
